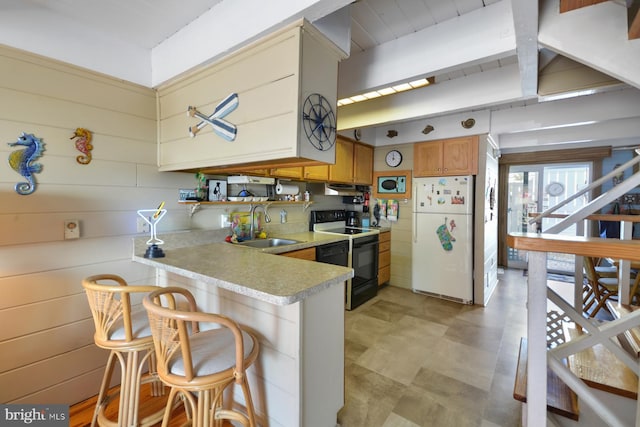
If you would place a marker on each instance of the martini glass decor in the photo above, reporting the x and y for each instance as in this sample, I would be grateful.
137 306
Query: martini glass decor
153 217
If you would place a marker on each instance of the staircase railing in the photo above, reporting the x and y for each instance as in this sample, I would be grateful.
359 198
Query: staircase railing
538 245
537 293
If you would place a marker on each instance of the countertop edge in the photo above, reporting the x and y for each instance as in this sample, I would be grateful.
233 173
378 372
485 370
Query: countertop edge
184 250
244 290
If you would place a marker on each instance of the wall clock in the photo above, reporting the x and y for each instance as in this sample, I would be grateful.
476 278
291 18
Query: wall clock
555 189
393 158
319 122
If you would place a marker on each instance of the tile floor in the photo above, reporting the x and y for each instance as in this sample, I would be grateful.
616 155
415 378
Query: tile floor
413 360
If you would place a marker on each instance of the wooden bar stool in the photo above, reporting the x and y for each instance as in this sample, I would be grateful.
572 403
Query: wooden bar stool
127 335
200 364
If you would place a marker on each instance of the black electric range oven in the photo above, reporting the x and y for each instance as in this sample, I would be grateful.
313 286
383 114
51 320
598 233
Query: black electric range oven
362 255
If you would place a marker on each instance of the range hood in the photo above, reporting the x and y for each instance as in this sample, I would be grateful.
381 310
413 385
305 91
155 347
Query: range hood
245 179
344 190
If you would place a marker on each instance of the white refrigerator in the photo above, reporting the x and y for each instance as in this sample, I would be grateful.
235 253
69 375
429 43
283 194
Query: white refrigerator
442 250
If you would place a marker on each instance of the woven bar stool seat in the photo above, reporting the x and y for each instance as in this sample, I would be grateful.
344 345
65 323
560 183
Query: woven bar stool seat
200 364
127 335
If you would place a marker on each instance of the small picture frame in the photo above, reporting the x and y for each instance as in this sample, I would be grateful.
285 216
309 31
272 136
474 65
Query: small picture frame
185 194
217 190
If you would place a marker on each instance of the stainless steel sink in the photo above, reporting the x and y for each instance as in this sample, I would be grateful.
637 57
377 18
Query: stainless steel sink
269 243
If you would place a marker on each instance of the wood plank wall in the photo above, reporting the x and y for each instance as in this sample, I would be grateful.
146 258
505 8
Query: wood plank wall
47 354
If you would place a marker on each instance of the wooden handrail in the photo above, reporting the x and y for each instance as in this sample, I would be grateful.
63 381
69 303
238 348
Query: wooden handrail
578 245
597 217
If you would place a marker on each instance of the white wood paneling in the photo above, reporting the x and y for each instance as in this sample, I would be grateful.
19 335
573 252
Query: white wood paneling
32 74
106 147
279 52
43 315
53 341
275 377
50 371
73 389
32 108
47 353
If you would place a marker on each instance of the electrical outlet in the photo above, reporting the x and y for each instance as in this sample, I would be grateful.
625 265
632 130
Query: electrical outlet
224 221
71 229
142 226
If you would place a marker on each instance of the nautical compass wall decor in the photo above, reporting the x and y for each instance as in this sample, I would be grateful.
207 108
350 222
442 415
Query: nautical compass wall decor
319 122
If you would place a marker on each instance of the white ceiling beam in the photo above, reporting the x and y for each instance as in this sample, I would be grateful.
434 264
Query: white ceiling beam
587 133
525 18
479 36
568 112
228 26
595 36
449 126
476 91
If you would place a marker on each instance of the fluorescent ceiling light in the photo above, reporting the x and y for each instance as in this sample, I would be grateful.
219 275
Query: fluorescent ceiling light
371 95
419 83
387 91
402 87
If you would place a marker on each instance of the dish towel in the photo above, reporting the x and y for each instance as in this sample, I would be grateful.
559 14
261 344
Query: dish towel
392 210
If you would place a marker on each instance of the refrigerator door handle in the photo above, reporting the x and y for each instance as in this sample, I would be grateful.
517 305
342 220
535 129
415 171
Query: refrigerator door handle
415 214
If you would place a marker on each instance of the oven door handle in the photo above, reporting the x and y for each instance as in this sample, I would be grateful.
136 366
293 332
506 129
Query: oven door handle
364 245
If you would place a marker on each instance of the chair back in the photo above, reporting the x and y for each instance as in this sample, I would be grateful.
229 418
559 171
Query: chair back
117 326
175 331
590 270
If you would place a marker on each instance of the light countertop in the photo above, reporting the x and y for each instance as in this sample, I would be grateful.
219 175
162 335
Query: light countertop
257 273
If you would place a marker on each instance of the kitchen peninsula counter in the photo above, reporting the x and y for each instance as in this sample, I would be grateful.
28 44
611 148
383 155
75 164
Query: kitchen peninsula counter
296 307
256 273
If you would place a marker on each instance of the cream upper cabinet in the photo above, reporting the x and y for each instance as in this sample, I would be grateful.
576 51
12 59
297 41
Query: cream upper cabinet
455 156
272 79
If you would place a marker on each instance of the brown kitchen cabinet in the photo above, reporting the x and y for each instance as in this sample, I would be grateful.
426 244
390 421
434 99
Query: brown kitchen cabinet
354 163
342 170
384 257
455 156
286 172
362 164
307 253
316 173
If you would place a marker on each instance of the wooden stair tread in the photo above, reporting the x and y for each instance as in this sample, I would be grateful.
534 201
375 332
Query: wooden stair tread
601 369
631 340
561 399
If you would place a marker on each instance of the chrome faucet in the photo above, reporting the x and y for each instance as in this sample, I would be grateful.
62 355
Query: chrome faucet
252 213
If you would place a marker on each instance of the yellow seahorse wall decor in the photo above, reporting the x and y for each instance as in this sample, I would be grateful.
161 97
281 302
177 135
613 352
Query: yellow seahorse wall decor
83 144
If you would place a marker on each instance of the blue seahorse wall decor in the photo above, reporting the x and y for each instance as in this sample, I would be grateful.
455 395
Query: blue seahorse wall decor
22 161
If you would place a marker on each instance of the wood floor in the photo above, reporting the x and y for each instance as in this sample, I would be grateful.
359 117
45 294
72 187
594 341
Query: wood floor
81 413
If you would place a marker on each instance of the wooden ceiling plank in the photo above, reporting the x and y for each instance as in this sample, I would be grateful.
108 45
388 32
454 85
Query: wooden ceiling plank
633 15
569 5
